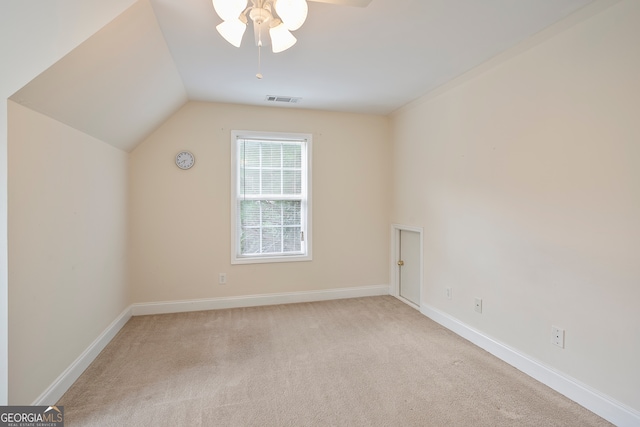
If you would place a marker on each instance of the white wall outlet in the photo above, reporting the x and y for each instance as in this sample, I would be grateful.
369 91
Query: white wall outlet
557 336
478 306
449 293
222 279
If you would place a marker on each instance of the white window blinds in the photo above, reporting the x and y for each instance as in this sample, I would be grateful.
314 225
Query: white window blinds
271 197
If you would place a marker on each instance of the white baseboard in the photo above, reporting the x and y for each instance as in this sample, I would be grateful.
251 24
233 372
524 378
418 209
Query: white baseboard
55 391
602 405
598 403
256 300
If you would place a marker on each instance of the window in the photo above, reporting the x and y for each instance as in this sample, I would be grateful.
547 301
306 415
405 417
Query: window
271 197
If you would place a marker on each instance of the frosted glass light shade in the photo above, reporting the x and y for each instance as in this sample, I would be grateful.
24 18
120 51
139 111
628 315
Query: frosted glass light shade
281 38
293 13
232 31
229 9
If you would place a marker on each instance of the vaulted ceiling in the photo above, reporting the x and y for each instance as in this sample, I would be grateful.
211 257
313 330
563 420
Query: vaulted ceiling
124 81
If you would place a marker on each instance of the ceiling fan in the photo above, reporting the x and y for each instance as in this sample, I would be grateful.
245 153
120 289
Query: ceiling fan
273 20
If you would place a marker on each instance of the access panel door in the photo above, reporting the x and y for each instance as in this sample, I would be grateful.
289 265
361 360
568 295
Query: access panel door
409 266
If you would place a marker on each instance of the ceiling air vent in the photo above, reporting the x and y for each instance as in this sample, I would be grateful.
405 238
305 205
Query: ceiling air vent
287 99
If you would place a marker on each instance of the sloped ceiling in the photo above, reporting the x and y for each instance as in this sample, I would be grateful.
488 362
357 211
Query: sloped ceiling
134 73
117 86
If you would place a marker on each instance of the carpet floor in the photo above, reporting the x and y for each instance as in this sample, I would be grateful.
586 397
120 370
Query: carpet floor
356 362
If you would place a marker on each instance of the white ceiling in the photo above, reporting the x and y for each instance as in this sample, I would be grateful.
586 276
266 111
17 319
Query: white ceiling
368 60
133 74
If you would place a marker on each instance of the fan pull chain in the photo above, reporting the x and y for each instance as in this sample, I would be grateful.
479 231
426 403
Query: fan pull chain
259 75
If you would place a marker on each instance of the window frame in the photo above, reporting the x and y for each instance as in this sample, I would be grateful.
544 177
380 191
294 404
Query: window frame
236 257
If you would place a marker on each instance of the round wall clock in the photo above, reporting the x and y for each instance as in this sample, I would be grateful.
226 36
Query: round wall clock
185 160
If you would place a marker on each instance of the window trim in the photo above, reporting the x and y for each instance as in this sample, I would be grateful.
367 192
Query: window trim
236 258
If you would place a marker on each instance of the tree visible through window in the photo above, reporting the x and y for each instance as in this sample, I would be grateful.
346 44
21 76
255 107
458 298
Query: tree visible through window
271 192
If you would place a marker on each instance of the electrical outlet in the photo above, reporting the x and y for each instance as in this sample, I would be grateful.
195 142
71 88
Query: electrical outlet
222 279
557 336
449 293
478 306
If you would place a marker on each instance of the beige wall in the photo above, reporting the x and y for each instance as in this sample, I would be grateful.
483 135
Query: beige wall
30 41
527 182
67 247
180 236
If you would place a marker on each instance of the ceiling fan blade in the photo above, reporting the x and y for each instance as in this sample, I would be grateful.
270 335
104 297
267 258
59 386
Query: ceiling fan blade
356 3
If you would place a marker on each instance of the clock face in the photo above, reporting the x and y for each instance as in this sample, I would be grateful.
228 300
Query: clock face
184 160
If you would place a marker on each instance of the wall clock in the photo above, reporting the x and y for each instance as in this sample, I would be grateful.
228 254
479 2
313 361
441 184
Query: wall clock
185 160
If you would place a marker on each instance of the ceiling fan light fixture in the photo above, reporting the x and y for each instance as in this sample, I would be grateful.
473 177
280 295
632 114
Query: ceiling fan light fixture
229 9
293 13
280 16
232 31
281 38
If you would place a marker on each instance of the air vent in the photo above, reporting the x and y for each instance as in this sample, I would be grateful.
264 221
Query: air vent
287 99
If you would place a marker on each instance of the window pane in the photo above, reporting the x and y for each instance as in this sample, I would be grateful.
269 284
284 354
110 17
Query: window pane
272 240
291 239
292 182
271 155
249 213
271 182
291 213
249 181
292 155
271 213
250 241
250 154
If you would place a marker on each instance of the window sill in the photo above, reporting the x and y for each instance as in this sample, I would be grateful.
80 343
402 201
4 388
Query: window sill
270 259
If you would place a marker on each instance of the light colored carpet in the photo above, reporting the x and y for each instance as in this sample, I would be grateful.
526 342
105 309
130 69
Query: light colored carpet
358 362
